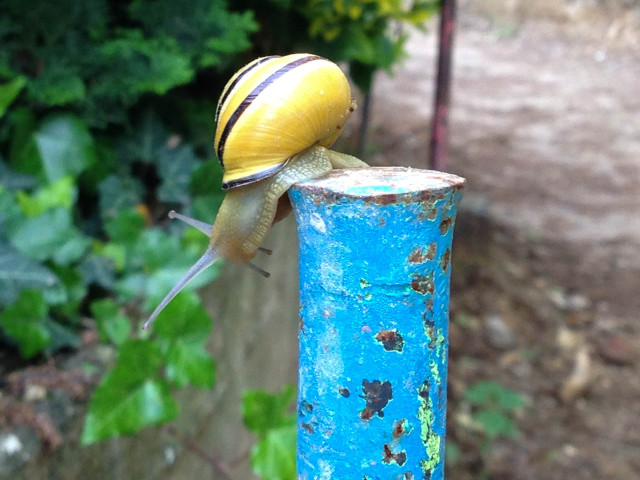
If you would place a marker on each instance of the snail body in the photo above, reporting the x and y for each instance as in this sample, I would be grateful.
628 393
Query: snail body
275 120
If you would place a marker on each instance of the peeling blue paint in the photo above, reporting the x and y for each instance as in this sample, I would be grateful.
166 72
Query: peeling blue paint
375 249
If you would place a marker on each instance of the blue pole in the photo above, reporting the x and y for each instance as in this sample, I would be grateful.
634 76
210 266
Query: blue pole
375 264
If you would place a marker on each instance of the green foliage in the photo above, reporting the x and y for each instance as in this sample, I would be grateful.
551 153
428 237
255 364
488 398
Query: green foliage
493 407
99 58
130 398
137 392
9 92
268 416
105 125
368 34
23 321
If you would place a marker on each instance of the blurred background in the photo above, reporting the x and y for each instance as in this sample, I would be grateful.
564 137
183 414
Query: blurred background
106 123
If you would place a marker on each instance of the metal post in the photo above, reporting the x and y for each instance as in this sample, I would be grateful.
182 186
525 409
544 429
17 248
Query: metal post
375 256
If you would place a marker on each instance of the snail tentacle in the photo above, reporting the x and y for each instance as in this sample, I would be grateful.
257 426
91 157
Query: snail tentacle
209 257
197 224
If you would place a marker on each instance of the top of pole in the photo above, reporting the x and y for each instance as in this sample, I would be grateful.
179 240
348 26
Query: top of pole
385 185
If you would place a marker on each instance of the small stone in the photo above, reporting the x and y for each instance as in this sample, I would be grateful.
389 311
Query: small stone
616 350
34 392
498 333
578 382
569 302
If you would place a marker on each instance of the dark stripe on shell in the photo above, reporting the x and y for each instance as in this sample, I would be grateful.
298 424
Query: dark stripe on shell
231 87
256 177
253 95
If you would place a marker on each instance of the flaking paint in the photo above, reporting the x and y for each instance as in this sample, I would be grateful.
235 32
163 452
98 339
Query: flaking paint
372 376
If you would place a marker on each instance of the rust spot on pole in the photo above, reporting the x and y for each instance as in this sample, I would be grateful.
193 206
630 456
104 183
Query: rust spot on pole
377 395
444 225
344 391
391 340
420 255
389 456
423 283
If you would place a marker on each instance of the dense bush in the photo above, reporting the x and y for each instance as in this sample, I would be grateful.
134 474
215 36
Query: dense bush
105 124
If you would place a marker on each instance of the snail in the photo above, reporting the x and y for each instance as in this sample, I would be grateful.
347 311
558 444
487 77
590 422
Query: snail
275 120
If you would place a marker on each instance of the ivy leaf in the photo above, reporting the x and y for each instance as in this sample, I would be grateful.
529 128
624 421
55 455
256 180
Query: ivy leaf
9 92
263 411
99 270
61 193
113 326
492 394
18 272
74 292
62 336
175 166
184 327
495 424
190 364
14 181
274 456
140 65
131 396
65 146
51 235
156 262
24 322
126 227
207 178
118 193
56 86
149 137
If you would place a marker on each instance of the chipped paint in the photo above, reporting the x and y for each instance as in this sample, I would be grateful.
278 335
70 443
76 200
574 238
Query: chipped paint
375 253
391 340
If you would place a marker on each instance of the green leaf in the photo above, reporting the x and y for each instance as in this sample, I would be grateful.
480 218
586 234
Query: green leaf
118 193
495 424
65 146
113 326
73 249
156 262
99 269
274 456
190 364
62 336
9 92
185 328
75 290
175 166
263 411
24 322
61 193
18 272
131 396
207 178
56 86
492 394
11 216
148 139
14 181
23 123
184 319
51 235
139 65
126 227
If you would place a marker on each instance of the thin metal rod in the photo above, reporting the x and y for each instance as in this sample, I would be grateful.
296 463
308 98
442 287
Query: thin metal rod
438 151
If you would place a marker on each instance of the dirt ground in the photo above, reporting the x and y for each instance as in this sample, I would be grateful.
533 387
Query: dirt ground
545 126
